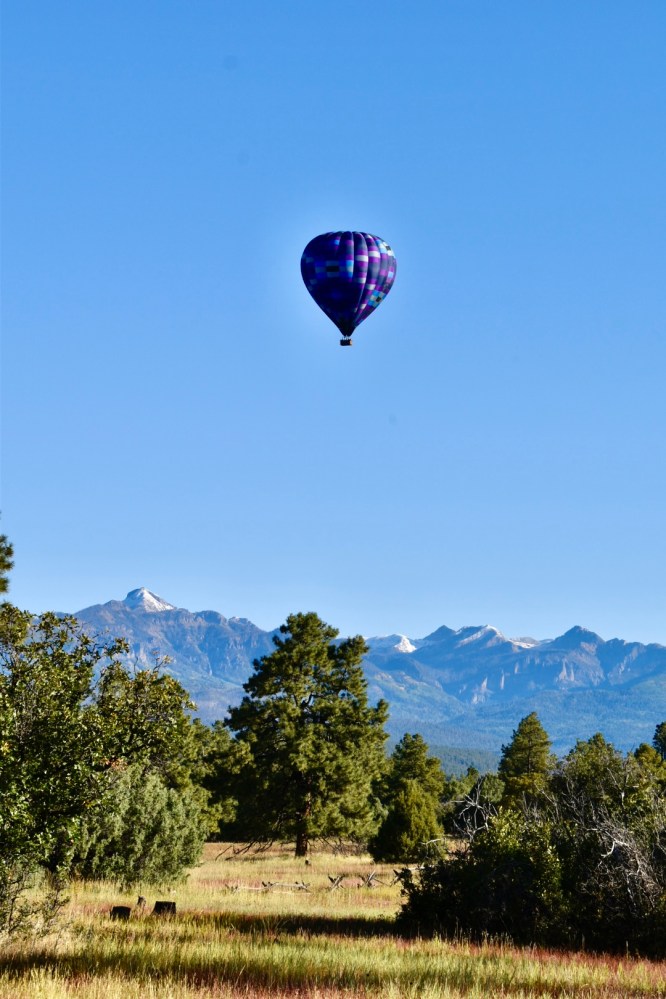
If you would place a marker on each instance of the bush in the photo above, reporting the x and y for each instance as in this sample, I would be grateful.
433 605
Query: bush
508 883
582 862
142 833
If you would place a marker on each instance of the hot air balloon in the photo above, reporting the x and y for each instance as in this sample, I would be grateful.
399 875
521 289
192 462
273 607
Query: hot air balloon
348 274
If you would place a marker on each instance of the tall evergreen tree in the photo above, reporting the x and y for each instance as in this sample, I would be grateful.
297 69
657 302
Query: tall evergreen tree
411 791
659 740
315 745
6 562
410 760
525 760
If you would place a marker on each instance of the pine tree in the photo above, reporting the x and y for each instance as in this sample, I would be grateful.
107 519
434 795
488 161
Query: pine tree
659 740
6 562
411 791
315 745
526 760
410 761
411 823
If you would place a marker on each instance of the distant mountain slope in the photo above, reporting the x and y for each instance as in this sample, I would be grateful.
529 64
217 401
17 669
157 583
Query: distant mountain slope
210 654
465 688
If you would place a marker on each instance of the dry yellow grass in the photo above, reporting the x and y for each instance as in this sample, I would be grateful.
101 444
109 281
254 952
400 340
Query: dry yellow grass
229 939
234 883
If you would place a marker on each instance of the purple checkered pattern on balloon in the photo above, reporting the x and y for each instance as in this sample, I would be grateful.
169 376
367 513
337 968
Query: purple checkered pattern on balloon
348 274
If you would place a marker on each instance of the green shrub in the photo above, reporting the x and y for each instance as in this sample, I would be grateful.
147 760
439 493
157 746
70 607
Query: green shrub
142 833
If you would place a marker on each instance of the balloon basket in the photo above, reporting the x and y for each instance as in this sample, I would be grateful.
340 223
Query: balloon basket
346 342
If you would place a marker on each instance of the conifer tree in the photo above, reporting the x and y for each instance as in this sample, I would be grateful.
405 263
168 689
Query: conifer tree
526 760
410 825
315 745
410 761
411 791
142 832
6 562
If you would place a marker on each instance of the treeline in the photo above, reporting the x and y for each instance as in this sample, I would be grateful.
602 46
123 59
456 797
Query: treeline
106 774
562 852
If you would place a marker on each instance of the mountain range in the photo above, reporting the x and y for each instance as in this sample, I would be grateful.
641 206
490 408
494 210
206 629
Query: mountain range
465 688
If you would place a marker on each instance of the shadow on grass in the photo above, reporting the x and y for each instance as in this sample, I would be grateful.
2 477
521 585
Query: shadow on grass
302 925
111 950
186 926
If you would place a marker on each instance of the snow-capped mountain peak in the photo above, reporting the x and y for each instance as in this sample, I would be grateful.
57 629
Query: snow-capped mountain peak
142 599
486 633
392 643
471 684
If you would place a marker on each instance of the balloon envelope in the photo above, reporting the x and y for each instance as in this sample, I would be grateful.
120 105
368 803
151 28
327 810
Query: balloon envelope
348 274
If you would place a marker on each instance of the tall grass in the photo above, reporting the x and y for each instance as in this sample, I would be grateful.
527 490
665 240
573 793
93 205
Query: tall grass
229 940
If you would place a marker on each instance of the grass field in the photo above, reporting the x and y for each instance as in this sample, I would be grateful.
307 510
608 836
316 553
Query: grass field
232 937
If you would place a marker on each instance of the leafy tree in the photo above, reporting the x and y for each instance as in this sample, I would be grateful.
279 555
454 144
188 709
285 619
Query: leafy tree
507 883
652 763
314 744
6 562
53 760
55 754
469 801
609 820
526 760
593 771
145 716
65 739
456 788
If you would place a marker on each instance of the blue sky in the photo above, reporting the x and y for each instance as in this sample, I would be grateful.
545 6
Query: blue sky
177 413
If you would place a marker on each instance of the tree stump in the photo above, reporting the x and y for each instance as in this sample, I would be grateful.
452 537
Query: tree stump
164 909
120 912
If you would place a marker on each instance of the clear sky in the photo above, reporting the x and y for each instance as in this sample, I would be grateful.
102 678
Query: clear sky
177 412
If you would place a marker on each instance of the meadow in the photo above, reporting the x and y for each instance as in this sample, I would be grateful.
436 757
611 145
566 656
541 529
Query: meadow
232 936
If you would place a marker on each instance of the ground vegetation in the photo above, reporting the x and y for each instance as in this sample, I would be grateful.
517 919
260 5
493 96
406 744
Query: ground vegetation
230 937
